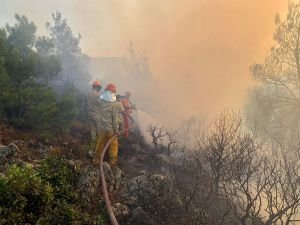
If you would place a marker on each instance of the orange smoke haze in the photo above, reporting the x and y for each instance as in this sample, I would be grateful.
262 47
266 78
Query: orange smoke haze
199 50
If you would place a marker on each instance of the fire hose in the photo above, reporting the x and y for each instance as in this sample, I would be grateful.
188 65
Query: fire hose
109 209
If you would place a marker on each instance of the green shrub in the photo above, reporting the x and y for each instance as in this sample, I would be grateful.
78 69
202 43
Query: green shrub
66 214
61 214
61 176
44 196
24 196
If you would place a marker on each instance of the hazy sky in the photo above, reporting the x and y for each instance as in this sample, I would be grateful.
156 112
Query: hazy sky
200 50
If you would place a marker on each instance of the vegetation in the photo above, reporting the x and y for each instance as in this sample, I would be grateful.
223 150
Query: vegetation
39 96
61 176
43 195
24 196
29 68
228 177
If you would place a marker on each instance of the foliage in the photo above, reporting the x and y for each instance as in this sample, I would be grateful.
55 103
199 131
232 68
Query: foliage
28 64
67 47
66 214
67 110
72 81
61 176
45 195
63 38
24 196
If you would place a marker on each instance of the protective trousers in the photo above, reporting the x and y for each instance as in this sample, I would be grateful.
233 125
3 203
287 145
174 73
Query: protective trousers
103 138
93 128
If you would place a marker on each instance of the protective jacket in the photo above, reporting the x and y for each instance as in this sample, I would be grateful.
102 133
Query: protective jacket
109 116
93 104
93 108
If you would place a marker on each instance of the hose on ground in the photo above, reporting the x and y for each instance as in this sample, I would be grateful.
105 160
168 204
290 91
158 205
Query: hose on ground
109 209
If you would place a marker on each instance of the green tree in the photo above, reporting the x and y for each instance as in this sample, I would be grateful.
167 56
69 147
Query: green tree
67 47
74 72
27 66
3 72
67 109
22 34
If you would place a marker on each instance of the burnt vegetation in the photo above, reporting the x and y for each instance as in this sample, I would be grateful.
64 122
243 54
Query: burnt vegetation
230 177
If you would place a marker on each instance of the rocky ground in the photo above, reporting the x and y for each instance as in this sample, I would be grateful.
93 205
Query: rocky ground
138 180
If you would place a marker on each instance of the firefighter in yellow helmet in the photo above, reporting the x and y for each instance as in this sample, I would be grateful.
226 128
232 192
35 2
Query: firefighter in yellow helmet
109 124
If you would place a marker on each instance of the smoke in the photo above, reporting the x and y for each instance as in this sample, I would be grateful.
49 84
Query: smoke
199 51
143 121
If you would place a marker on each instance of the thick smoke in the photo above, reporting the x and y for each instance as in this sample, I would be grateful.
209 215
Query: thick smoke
199 51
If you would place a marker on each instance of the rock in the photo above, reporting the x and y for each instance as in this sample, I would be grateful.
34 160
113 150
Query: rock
77 164
88 183
18 142
109 177
143 172
91 154
7 151
118 173
120 210
145 187
114 177
140 217
119 177
136 183
42 148
146 181
4 152
130 200
14 148
108 173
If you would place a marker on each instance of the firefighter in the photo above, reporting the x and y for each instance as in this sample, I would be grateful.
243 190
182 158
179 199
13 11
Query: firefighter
128 110
109 124
92 105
